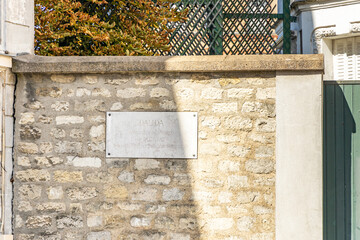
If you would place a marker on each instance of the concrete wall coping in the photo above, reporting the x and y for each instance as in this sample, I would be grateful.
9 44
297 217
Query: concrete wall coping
117 64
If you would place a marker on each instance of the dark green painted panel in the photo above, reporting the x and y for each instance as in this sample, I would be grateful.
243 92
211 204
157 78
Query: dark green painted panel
356 164
329 164
339 137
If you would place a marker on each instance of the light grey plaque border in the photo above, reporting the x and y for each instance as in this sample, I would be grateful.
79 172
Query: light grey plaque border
188 152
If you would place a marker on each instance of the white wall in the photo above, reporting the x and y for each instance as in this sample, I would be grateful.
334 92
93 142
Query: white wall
338 13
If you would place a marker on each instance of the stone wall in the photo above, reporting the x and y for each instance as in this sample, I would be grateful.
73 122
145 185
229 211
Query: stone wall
65 187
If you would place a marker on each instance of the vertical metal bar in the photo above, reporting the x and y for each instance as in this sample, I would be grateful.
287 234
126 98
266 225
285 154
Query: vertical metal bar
286 27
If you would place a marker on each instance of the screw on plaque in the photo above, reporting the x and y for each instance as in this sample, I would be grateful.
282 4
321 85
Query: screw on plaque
194 115
194 155
108 154
109 114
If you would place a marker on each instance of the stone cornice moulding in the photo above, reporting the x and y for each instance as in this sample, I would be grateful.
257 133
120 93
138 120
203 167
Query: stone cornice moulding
119 64
311 6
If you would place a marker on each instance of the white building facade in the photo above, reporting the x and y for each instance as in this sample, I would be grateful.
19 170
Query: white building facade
330 27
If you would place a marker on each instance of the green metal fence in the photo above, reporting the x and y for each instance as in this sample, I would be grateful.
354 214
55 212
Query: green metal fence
230 27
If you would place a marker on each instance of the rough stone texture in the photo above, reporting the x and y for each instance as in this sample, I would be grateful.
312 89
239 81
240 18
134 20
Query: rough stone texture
66 188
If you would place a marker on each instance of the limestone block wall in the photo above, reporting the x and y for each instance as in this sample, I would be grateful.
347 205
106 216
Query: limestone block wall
66 188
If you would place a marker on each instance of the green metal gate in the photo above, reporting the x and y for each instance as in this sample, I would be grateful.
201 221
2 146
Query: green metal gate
342 162
231 27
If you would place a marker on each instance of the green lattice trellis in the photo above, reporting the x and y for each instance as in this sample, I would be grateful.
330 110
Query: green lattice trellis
232 27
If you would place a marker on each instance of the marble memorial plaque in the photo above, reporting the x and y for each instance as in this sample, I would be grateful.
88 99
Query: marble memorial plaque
151 134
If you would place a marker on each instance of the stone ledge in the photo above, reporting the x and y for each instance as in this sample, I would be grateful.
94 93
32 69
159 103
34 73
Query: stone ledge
112 64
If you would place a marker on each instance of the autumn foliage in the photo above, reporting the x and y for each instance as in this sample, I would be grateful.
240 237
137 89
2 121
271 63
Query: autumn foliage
103 27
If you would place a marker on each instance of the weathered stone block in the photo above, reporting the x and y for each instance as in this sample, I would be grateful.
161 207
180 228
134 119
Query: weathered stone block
265 125
185 93
116 106
33 175
76 133
168 105
225 197
235 181
238 151
202 196
69 222
225 107
248 197
92 162
26 118
51 207
99 177
44 119
262 210
140 222
89 79
266 93
54 92
66 120
45 147
99 236
29 148
187 223
212 93
62 78
126 177
81 92
83 193
131 93
116 192
159 92
58 133
94 220
229 166
145 194
60 106
48 161
221 223
157 179
176 165
179 236
97 132
173 194
68 147
144 164
34 105
24 206
55 193
141 106
129 206
240 93
102 92
239 123
68 176
30 191
23 161
164 222
264 152
155 208
245 223
211 122
38 221
261 166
